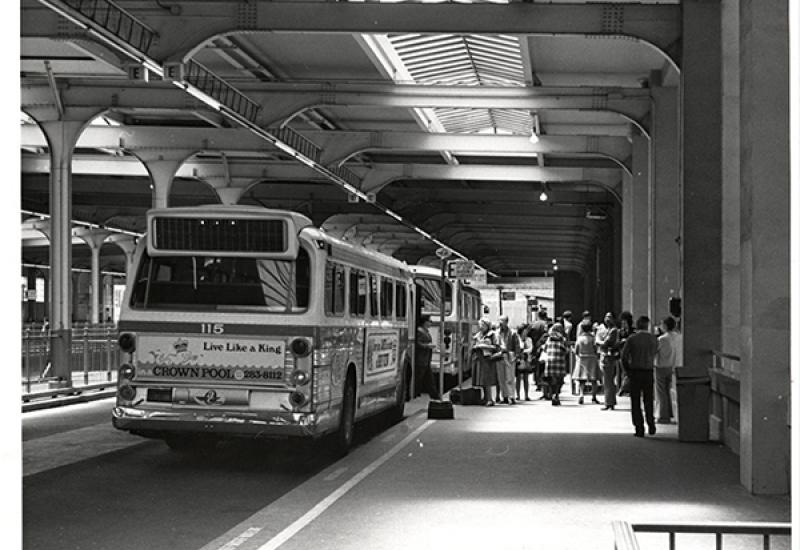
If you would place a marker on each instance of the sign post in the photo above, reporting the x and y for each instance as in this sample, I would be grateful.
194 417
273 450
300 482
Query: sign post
442 409
461 270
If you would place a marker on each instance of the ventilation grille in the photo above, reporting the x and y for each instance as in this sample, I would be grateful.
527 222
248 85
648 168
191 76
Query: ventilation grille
219 235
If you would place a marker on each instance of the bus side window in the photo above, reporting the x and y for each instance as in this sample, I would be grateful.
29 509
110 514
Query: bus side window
334 289
400 301
373 296
330 276
387 297
338 291
358 293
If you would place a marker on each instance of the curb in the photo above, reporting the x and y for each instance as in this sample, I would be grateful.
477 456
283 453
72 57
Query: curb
79 396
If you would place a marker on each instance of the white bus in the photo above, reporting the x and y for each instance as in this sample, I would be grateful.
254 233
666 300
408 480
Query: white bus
243 321
460 321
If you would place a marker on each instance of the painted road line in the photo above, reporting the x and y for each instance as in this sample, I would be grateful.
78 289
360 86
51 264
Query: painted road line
331 499
335 474
241 539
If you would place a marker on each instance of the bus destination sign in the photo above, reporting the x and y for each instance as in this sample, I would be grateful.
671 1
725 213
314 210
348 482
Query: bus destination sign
461 269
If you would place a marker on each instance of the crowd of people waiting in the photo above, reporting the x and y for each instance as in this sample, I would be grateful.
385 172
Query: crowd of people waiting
622 357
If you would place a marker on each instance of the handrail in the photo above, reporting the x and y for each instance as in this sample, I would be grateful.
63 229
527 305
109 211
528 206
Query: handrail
723 355
625 538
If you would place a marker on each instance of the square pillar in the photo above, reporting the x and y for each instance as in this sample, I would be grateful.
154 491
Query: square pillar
765 256
665 207
701 199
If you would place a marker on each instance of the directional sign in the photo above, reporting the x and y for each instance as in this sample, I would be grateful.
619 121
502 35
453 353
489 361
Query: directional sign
461 269
509 296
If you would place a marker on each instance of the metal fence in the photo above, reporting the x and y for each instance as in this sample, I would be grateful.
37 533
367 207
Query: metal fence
625 533
94 354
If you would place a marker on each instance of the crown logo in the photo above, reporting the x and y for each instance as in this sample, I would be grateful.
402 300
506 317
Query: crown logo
181 345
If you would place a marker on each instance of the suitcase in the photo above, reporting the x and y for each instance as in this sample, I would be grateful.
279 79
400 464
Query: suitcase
440 410
472 396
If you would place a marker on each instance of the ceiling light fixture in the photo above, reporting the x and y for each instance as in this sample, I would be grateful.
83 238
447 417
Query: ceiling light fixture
535 131
543 195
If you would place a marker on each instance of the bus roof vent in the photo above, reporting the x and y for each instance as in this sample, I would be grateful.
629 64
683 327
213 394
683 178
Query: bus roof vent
220 235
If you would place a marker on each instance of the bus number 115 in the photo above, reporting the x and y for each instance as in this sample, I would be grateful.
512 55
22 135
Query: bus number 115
212 328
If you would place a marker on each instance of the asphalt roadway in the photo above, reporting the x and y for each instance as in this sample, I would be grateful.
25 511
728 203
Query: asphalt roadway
529 476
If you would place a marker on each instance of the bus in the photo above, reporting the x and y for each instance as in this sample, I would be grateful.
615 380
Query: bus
460 321
243 321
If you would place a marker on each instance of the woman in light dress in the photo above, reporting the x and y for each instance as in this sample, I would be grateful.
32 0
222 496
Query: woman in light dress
586 361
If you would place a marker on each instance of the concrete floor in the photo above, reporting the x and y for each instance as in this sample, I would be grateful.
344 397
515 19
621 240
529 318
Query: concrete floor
532 476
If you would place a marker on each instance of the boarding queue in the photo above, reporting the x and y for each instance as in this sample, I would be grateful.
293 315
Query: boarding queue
615 357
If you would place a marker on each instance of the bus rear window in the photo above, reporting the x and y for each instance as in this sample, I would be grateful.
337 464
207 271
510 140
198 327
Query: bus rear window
208 283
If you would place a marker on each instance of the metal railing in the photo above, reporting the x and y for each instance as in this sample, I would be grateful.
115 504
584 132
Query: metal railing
94 353
117 21
210 84
298 142
625 533
725 361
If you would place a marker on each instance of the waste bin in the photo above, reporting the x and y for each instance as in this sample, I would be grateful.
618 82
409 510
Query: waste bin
691 403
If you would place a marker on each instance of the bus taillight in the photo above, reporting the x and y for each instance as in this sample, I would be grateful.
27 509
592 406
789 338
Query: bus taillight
127 342
126 372
297 398
300 347
300 377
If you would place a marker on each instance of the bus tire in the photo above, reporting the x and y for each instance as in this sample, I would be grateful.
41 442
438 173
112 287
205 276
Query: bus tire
343 438
397 412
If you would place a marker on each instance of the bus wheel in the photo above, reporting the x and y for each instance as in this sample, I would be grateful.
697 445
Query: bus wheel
343 438
396 413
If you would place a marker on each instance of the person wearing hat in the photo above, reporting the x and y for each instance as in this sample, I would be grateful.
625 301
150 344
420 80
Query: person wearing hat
484 346
555 364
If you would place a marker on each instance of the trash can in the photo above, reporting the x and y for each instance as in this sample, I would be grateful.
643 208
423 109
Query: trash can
691 404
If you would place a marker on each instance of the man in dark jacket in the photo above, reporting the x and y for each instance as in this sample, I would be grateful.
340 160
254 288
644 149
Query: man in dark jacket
423 350
637 356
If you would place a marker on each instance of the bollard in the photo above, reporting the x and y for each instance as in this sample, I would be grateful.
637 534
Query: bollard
28 360
108 354
86 355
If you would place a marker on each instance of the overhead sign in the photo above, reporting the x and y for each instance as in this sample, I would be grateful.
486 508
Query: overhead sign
461 269
508 296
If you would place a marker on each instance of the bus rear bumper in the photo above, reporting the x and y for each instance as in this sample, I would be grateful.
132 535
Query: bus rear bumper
154 423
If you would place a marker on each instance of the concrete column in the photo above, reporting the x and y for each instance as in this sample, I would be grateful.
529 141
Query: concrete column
627 242
640 226
94 238
701 123
765 227
61 138
665 223
127 244
731 180
162 167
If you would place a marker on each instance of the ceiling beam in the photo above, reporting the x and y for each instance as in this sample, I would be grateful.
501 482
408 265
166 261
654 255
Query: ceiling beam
655 25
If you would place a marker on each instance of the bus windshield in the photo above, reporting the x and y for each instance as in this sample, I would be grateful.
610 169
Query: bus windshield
430 296
208 283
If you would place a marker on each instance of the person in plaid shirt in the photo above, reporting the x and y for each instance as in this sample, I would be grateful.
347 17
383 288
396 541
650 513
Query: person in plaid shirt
555 365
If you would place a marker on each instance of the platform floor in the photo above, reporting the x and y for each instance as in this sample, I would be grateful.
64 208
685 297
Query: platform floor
530 476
